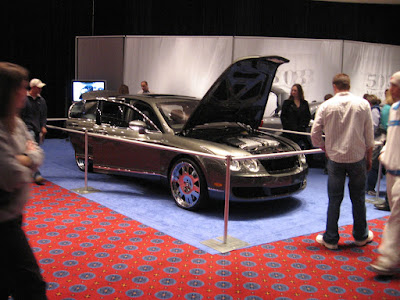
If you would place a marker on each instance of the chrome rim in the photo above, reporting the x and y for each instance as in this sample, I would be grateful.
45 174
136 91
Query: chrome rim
80 162
185 184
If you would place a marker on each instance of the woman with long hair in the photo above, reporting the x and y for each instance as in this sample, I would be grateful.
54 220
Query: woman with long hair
19 155
296 116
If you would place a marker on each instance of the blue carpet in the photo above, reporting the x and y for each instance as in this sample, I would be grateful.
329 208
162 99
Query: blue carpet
150 203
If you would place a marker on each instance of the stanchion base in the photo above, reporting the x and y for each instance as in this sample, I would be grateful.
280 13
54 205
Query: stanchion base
231 244
87 190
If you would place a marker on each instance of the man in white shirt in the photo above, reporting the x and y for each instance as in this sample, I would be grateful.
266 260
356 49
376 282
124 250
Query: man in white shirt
347 123
388 262
144 88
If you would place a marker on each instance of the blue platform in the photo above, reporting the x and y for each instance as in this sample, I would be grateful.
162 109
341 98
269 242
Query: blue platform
150 203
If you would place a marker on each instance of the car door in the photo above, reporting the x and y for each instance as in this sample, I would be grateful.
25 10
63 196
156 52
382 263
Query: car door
82 117
119 155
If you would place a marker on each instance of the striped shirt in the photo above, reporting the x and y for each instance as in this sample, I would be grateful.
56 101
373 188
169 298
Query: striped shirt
347 123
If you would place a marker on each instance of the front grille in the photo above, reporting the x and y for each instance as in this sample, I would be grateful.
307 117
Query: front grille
281 164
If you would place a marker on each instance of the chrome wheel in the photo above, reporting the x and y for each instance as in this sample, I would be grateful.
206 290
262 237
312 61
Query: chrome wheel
187 185
80 162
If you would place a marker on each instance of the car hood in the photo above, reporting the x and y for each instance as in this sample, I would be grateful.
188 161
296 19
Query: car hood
240 94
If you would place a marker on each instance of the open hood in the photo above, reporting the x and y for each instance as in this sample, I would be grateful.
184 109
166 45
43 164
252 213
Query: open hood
240 94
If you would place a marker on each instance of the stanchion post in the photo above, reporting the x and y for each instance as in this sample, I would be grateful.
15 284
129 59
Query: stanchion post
86 189
226 243
86 158
227 196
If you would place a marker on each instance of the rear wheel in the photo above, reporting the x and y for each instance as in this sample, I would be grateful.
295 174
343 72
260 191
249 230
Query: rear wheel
80 162
188 186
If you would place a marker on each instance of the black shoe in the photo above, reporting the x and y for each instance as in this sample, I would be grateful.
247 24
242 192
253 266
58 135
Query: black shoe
382 206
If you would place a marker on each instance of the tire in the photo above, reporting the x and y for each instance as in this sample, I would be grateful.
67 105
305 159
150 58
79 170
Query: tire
80 162
188 185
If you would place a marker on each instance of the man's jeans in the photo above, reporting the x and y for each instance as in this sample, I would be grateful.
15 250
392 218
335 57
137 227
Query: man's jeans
336 180
36 138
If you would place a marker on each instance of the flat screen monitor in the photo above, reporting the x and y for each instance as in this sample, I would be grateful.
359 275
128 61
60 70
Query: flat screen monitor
80 87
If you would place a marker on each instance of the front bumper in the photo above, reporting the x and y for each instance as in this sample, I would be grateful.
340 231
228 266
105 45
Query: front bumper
262 188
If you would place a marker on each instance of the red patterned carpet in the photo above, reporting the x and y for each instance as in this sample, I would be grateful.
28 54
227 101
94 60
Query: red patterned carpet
88 251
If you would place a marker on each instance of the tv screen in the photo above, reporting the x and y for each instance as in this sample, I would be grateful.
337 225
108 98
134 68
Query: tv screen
80 87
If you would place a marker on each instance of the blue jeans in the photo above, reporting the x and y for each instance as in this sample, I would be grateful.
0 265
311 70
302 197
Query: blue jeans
336 180
36 138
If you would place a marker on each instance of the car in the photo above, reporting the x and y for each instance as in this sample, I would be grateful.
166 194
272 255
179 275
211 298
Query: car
224 122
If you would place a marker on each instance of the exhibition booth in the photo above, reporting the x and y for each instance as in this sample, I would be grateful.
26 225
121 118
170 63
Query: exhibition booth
188 65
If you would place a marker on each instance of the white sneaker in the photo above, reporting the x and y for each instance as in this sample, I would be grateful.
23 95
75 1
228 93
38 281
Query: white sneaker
320 240
366 241
381 266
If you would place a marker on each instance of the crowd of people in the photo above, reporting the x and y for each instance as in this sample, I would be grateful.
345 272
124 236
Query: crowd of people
346 128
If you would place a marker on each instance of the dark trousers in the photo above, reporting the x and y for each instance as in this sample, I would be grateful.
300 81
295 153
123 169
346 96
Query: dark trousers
336 184
36 137
19 272
372 176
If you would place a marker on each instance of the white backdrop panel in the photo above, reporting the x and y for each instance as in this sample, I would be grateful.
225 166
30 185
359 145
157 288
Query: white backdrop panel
313 63
370 66
176 65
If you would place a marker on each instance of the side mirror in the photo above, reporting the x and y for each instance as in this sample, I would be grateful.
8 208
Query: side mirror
138 126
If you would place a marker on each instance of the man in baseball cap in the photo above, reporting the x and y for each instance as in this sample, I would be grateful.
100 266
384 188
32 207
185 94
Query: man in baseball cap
388 262
36 82
35 117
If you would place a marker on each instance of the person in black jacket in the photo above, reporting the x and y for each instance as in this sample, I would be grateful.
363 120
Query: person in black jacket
296 116
34 115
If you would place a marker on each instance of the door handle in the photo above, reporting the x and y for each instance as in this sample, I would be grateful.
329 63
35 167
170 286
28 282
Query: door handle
102 131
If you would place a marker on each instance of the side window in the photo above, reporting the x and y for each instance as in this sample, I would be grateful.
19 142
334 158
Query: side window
113 114
76 110
149 113
132 115
83 110
90 110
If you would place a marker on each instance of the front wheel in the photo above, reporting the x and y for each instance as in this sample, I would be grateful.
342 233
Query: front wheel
188 186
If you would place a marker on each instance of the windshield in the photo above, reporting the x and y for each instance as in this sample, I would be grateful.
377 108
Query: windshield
177 113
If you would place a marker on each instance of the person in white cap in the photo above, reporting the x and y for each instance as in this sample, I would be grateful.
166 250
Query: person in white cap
388 262
34 115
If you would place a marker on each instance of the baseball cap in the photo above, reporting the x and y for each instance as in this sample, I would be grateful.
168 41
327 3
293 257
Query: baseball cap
36 82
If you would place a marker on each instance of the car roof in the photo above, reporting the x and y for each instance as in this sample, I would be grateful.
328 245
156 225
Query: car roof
148 98
158 98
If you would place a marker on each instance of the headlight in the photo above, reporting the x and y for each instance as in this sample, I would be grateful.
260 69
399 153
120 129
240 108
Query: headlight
251 165
235 165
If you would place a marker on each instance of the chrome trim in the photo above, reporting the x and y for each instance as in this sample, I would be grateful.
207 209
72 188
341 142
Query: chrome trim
127 171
